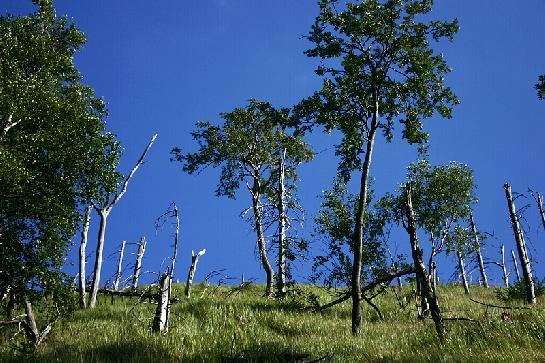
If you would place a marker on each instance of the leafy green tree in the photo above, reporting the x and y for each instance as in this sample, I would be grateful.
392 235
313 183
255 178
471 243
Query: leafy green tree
248 147
51 123
378 68
540 87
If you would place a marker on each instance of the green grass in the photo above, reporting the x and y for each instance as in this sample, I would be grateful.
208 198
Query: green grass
213 326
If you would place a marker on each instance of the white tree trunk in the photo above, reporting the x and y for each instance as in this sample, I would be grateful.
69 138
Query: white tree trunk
514 258
192 269
521 247
103 214
138 263
282 226
162 313
504 267
119 266
462 268
82 257
482 270
540 206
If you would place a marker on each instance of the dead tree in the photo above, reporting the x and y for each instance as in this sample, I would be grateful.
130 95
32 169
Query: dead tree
138 263
480 259
521 247
421 274
103 212
503 267
462 268
162 312
539 201
119 266
31 328
514 258
282 225
82 257
192 269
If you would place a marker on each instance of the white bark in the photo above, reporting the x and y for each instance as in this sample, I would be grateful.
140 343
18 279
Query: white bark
461 266
515 264
504 268
138 263
282 226
119 266
82 257
540 206
162 313
192 269
482 270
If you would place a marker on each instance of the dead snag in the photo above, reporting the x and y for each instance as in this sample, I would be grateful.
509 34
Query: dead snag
461 266
138 263
503 267
521 247
31 328
192 269
480 259
160 321
119 266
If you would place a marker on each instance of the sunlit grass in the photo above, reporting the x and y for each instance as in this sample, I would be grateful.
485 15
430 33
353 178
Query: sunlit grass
216 326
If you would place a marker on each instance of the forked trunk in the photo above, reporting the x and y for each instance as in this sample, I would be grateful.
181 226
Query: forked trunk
82 257
521 247
103 214
421 274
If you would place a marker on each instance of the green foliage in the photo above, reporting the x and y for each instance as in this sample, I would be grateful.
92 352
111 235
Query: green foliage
381 69
540 87
51 128
517 291
334 226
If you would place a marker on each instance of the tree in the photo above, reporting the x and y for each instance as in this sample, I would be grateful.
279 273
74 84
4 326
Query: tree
382 70
247 147
50 121
540 87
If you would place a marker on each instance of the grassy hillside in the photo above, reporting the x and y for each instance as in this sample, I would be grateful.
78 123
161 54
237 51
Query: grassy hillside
218 326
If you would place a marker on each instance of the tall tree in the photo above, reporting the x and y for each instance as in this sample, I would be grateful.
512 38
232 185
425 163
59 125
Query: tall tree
382 70
247 147
50 122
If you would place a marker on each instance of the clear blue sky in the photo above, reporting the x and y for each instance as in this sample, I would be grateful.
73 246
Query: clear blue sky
162 67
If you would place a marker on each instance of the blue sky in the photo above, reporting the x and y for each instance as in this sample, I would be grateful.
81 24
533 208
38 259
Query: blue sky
162 67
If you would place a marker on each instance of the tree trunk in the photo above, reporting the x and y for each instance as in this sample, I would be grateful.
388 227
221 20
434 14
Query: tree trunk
138 263
103 214
281 227
482 270
82 257
261 245
162 312
461 266
433 274
504 268
516 265
521 247
191 273
357 240
540 206
119 266
421 274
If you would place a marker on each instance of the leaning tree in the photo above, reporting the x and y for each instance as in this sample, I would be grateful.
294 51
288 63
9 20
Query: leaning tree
249 147
378 68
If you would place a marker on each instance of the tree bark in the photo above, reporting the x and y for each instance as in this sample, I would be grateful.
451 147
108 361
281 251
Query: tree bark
261 245
138 263
82 257
421 274
504 268
162 312
482 270
521 247
357 240
119 266
281 227
513 257
191 273
540 206
461 266
103 214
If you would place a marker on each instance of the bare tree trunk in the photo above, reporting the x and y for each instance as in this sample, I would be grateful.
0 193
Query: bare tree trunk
176 240
504 268
82 257
540 206
521 247
281 227
160 321
357 240
191 273
421 274
433 275
482 270
119 266
103 214
36 336
138 263
513 257
462 268
256 205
